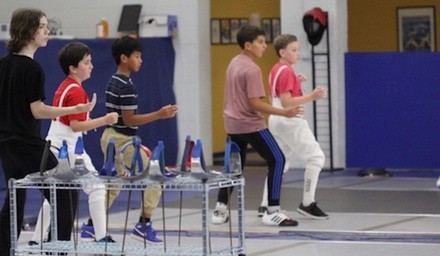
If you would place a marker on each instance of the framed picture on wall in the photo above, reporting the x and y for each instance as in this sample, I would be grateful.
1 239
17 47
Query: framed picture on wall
416 28
267 27
235 27
276 28
215 31
225 31
244 22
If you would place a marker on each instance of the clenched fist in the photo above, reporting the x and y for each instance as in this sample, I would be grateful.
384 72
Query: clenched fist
111 118
167 111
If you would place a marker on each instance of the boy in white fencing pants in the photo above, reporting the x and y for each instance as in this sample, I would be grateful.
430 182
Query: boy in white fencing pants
293 134
75 61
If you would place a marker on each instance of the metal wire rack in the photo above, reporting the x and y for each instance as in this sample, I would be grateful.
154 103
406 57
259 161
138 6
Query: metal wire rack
183 183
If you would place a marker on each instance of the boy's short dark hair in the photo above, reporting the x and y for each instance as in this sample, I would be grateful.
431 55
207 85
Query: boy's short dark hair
125 45
24 24
281 42
248 34
71 54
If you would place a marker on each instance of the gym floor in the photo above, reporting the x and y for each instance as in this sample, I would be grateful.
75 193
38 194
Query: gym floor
375 215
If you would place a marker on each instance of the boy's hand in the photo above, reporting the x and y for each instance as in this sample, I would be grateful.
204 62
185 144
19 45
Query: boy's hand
301 77
295 112
111 118
87 107
319 93
167 111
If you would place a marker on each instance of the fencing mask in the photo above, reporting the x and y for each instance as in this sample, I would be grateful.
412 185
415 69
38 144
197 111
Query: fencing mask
315 23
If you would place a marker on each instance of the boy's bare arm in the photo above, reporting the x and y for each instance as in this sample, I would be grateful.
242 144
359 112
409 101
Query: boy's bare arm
87 125
261 106
288 101
42 111
131 119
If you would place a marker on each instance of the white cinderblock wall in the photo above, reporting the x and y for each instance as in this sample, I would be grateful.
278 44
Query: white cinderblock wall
292 12
192 80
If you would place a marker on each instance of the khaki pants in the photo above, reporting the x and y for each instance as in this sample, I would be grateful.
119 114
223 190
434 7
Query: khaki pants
151 195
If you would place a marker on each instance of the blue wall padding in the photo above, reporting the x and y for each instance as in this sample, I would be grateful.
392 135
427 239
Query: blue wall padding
393 110
154 82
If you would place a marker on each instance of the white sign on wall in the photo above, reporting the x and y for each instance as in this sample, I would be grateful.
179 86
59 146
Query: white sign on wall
4 31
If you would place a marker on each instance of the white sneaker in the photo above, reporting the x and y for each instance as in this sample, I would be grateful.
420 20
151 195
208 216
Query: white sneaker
278 219
220 214
438 183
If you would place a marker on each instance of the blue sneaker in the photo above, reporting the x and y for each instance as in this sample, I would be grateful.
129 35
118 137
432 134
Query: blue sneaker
144 231
87 233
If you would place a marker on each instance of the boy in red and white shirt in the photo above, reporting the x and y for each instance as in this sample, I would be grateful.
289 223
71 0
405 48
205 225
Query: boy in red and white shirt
293 134
76 61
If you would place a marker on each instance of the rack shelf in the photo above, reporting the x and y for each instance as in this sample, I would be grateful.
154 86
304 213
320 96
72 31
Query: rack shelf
184 183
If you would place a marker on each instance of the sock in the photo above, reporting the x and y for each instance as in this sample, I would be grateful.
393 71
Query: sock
98 212
43 218
311 176
264 199
272 209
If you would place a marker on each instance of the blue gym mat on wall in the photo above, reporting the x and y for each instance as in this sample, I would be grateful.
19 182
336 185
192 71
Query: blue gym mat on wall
393 110
154 81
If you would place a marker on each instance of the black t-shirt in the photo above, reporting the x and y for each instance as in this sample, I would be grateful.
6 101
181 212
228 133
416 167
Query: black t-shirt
21 83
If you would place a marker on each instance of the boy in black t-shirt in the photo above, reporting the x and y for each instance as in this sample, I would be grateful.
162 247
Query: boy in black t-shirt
22 96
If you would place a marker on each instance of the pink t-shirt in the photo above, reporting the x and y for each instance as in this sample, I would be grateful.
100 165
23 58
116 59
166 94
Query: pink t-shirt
287 81
243 82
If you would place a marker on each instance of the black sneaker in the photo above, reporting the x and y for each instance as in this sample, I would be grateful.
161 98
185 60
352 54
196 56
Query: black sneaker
32 243
312 211
261 211
106 239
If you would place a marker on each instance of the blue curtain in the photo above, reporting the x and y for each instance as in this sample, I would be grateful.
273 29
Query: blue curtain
392 110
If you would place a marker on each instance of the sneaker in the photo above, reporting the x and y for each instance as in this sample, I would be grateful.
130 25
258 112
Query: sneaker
220 214
278 219
312 211
87 233
261 211
106 239
143 231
